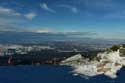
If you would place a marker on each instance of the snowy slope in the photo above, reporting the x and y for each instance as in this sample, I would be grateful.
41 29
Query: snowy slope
108 64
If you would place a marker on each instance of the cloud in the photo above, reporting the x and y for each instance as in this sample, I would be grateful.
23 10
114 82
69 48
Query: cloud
43 31
12 13
50 31
63 33
45 7
8 11
11 20
74 10
30 15
79 33
75 34
71 8
37 30
8 27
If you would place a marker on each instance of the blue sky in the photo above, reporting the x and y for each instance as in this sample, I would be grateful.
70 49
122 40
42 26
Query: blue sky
104 18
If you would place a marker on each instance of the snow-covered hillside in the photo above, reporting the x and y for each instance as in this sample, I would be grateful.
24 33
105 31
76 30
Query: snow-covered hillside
108 63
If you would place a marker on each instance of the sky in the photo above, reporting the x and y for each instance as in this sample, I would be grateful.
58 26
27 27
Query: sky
83 18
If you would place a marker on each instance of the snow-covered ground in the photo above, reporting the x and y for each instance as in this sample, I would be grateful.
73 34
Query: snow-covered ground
107 64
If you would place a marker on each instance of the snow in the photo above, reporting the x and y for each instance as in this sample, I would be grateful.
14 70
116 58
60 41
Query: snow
109 64
75 57
72 61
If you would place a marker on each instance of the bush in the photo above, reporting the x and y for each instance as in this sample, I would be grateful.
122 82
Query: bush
115 48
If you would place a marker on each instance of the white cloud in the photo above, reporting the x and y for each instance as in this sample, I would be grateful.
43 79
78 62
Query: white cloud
39 30
42 31
30 16
74 10
46 8
71 8
5 10
8 11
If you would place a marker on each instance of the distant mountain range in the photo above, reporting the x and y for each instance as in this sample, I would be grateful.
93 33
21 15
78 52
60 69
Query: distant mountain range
30 37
